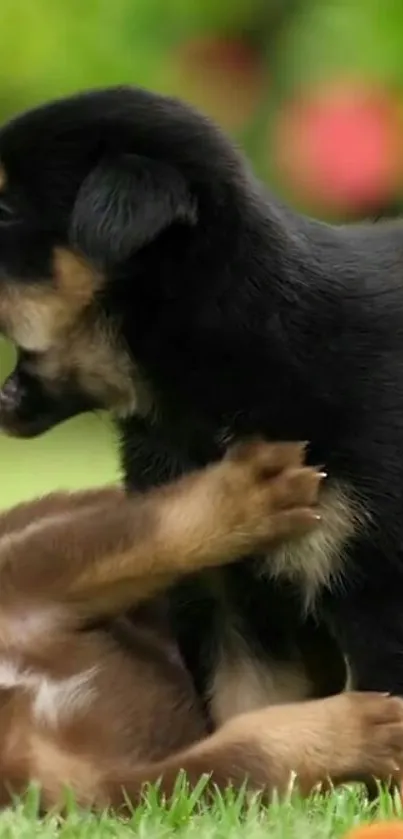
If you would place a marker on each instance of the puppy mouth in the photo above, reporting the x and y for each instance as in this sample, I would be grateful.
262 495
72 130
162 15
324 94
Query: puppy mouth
26 410
10 398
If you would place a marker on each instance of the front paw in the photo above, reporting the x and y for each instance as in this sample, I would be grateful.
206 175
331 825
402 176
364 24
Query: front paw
270 493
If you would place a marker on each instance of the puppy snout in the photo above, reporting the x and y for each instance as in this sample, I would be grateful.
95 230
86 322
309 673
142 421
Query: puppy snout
9 395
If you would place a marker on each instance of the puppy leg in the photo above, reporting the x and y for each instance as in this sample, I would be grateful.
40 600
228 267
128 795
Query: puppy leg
350 737
101 558
28 512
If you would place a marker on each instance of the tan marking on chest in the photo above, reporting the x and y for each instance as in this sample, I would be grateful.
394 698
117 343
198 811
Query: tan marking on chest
242 683
317 560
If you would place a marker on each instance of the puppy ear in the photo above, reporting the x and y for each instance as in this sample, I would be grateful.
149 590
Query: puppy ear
124 204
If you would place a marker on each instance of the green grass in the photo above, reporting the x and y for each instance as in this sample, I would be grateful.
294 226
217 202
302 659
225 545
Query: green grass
226 818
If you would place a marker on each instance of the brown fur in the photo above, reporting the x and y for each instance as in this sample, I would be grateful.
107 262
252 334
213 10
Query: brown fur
58 319
38 316
106 712
90 353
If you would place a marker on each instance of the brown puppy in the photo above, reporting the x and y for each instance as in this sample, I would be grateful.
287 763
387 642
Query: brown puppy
105 715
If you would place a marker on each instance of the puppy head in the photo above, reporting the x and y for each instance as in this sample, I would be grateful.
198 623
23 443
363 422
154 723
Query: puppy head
100 198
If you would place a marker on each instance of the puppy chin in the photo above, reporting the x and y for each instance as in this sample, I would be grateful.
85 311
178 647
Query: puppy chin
14 426
14 420
20 416
24 431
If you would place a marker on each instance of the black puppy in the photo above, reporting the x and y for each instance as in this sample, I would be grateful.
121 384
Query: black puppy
145 270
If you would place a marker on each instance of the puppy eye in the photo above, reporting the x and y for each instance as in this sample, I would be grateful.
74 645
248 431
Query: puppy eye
7 213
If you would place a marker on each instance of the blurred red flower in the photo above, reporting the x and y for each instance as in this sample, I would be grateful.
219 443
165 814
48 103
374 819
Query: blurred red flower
341 146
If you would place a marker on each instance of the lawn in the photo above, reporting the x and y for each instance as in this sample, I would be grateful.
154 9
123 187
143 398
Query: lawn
83 453
187 818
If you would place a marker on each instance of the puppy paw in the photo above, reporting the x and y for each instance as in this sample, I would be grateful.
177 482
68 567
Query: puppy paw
369 728
270 494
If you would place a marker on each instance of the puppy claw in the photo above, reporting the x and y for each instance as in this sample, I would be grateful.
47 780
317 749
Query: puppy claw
269 493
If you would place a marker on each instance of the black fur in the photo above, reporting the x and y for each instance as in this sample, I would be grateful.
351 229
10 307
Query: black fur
245 317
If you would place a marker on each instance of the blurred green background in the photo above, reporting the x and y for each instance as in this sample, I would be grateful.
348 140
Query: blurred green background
312 89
